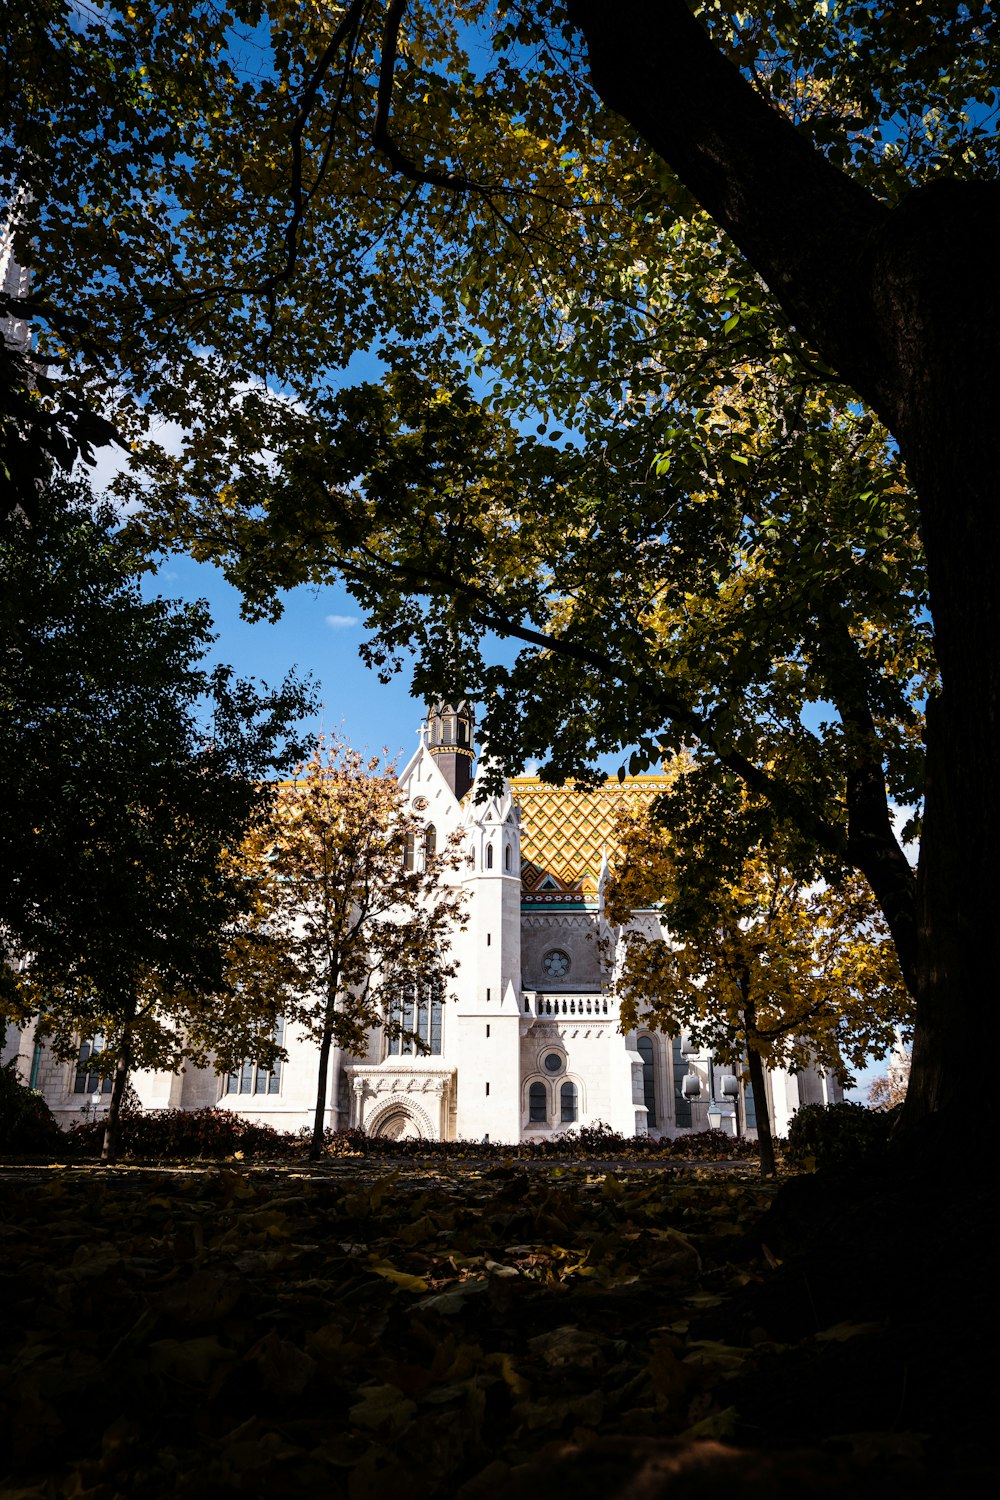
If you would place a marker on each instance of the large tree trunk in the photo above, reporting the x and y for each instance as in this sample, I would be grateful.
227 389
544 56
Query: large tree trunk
758 1088
935 294
903 304
112 1125
323 1081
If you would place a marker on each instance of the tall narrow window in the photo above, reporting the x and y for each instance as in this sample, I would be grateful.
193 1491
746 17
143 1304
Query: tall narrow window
489 856
646 1052
88 1078
417 1012
250 1078
749 1106
506 858
537 1112
567 1103
682 1106
410 851
430 842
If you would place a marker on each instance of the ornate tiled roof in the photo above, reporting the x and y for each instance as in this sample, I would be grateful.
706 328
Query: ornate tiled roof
565 833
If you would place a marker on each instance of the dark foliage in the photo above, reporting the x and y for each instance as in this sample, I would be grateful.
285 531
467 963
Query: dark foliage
594 1141
26 1123
165 1135
836 1135
168 1134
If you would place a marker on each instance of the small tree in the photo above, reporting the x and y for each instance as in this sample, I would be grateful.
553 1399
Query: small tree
361 901
130 771
760 965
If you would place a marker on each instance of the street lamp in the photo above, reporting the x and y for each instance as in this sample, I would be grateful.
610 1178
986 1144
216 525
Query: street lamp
93 1103
731 1090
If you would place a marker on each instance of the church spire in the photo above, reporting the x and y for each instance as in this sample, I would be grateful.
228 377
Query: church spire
449 739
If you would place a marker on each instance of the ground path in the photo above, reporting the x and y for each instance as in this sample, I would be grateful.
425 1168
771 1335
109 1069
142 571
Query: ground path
368 1327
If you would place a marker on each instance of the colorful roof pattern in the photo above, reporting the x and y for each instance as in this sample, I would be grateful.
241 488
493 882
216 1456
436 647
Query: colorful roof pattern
565 833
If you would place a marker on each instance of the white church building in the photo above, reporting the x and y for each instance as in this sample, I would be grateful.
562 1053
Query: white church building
526 1041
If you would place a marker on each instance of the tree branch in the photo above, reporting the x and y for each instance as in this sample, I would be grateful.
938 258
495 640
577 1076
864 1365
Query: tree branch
872 845
383 142
804 225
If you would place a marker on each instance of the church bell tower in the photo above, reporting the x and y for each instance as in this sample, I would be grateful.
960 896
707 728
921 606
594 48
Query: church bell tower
449 740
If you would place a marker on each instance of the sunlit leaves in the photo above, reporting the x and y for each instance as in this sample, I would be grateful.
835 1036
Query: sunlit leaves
750 954
358 925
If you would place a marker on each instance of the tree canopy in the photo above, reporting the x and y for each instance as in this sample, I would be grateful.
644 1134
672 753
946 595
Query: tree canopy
131 773
748 958
739 247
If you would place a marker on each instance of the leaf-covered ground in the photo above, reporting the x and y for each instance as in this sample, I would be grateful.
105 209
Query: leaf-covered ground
368 1330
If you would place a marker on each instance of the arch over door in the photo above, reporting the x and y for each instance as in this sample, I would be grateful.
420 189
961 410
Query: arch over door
398 1125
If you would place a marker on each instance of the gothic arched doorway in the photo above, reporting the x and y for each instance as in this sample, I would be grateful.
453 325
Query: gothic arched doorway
397 1125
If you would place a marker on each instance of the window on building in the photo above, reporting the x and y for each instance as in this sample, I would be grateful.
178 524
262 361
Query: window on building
567 1103
749 1107
430 841
417 1011
410 851
251 1078
489 856
647 1053
506 858
537 1110
88 1078
682 1105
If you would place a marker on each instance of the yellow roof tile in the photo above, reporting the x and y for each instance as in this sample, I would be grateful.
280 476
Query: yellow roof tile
564 832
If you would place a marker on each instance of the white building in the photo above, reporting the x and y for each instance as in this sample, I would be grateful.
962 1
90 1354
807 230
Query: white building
527 1042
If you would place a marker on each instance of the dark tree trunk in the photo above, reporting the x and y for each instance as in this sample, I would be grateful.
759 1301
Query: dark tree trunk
758 1088
112 1125
903 304
322 1084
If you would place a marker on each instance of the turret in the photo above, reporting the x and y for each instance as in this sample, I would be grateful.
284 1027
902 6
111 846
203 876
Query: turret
449 740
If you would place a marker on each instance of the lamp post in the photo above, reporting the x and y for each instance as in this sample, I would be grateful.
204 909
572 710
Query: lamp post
731 1090
92 1104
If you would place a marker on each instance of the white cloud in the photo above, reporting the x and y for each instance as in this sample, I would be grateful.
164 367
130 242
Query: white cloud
341 622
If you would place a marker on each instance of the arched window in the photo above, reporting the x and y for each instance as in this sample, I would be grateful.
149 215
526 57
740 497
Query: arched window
430 841
506 858
646 1052
567 1104
537 1111
410 852
489 856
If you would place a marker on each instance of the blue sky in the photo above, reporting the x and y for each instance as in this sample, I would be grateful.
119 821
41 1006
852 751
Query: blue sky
319 634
